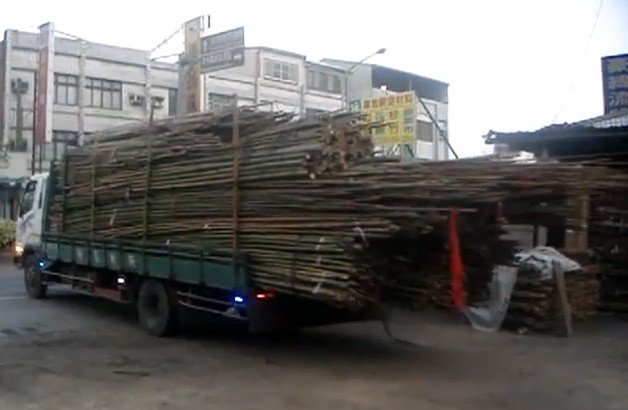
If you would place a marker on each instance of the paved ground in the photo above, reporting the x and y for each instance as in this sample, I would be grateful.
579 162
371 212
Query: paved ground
71 352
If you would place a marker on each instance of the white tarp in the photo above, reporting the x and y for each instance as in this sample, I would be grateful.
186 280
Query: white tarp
536 263
489 317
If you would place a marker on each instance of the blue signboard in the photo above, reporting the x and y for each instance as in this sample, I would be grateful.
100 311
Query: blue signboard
615 79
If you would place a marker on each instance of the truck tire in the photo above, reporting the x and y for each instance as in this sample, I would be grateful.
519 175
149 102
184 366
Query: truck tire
33 280
156 313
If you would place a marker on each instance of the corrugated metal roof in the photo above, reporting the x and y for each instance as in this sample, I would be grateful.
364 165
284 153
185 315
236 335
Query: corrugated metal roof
602 125
605 121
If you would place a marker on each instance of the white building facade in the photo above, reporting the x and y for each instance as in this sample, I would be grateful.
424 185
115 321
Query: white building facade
278 80
95 86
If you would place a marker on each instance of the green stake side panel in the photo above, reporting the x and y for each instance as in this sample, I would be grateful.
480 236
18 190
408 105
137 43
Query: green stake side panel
187 265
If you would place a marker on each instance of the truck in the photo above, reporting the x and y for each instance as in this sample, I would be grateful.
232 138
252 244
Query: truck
160 279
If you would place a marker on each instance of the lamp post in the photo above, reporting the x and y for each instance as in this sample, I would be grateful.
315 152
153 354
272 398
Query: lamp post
349 70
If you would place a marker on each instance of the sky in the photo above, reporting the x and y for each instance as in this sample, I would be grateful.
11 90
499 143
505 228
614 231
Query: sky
511 64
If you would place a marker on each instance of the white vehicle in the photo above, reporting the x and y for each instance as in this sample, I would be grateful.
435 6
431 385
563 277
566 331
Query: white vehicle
29 222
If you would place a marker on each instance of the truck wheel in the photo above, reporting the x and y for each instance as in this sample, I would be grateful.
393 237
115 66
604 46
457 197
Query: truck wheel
33 280
157 315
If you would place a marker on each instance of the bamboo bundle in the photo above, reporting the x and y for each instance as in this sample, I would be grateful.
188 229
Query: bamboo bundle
306 200
533 303
608 236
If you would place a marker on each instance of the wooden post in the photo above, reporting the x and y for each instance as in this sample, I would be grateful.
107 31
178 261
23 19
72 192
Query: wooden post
149 172
576 239
563 309
93 198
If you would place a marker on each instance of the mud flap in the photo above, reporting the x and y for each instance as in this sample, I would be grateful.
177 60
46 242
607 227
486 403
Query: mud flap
386 314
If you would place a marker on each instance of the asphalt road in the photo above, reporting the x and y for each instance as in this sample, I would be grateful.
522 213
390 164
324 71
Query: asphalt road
73 352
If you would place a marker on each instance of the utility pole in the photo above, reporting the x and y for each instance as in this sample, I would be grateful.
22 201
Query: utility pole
188 87
190 68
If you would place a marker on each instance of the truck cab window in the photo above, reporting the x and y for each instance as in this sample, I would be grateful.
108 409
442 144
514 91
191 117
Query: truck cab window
28 199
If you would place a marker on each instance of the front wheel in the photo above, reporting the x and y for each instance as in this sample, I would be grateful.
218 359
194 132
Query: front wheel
33 280
156 313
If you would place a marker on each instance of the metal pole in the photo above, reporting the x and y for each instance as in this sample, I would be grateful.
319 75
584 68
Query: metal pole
440 130
235 141
54 146
33 126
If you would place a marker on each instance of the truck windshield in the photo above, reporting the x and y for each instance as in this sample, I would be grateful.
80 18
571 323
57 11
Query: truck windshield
28 199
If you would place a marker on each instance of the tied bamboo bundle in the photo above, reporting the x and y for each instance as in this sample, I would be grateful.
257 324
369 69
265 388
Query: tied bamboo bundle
316 212
533 304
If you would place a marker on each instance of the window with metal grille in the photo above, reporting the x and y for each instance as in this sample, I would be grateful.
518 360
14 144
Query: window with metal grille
172 101
317 80
282 71
426 131
101 93
66 89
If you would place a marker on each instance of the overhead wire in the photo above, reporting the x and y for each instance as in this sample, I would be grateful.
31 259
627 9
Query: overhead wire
581 62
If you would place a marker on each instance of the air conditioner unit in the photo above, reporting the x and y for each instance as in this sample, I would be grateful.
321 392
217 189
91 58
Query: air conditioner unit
136 99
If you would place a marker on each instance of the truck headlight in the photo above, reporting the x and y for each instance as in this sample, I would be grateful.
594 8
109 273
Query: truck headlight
19 249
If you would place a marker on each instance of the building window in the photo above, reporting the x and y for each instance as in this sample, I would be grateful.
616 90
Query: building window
278 70
102 93
172 102
317 80
426 131
66 89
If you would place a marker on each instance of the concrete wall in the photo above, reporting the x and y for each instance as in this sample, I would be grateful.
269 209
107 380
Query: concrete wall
125 65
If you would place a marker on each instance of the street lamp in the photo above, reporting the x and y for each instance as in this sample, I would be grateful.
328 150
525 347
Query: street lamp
350 71
380 51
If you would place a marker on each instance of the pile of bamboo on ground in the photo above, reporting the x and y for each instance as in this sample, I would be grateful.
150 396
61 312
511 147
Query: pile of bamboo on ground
608 236
309 200
534 305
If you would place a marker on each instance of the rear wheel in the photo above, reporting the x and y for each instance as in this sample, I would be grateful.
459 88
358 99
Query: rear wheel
157 314
33 280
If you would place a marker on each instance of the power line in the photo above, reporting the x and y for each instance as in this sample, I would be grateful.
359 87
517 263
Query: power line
167 39
580 63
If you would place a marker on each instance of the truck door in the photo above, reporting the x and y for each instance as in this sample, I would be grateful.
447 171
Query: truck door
29 221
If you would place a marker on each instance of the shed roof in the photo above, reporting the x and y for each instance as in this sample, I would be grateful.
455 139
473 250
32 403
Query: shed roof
606 135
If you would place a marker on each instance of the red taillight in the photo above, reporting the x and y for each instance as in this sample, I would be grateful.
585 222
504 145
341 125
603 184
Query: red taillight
264 294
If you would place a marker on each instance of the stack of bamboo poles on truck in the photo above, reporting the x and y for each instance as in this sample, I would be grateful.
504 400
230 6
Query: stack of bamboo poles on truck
304 199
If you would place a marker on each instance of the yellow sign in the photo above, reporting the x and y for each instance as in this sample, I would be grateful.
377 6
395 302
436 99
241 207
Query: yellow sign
398 112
